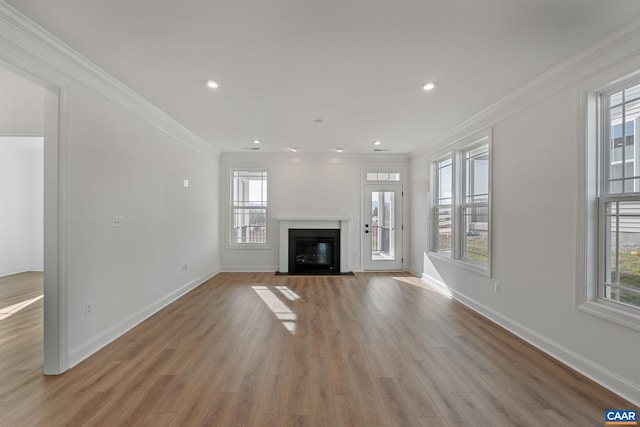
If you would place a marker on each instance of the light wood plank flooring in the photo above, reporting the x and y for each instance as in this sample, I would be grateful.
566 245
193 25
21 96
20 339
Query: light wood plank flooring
20 327
249 349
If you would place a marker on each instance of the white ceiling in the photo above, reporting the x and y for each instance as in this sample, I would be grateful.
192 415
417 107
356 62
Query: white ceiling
356 64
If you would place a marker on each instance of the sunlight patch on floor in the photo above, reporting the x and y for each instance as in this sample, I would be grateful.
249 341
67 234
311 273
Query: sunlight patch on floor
288 293
416 281
13 309
279 308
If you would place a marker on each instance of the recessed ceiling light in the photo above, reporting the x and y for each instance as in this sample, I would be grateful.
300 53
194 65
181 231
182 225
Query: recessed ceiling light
429 86
212 84
339 150
293 149
256 141
376 143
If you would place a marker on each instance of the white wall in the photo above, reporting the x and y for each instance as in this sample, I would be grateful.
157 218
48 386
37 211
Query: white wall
21 198
35 258
536 138
110 152
21 105
119 165
302 186
14 202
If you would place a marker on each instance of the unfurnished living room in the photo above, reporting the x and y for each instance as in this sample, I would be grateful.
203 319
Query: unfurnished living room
340 213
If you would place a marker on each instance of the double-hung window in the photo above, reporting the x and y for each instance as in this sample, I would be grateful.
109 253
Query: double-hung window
619 195
443 212
249 207
461 204
474 207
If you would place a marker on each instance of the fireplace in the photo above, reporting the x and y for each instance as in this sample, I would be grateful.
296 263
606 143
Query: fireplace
314 251
300 222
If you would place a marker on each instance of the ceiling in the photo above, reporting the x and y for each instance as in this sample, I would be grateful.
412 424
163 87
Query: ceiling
325 74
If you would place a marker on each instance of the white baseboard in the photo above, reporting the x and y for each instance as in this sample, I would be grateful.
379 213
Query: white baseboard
262 269
249 269
83 351
22 269
10 271
414 271
612 381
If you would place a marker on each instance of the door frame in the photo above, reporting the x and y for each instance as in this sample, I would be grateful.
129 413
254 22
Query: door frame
399 224
27 64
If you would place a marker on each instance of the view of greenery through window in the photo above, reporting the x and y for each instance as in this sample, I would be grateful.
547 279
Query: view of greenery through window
621 200
475 209
622 282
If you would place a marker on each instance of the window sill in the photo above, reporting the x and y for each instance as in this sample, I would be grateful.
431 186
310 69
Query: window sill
463 264
248 246
613 314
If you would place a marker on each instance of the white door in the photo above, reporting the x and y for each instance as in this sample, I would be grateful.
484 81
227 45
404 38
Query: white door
382 227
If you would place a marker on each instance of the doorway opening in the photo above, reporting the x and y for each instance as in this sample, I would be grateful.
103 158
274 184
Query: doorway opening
29 127
383 227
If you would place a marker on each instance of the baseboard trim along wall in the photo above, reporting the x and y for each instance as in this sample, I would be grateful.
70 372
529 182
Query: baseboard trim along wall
23 269
12 271
586 367
250 269
81 352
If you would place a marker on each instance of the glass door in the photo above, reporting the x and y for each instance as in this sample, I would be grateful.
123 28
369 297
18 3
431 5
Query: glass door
383 227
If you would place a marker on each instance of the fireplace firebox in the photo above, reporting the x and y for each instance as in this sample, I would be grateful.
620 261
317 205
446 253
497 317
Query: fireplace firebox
314 251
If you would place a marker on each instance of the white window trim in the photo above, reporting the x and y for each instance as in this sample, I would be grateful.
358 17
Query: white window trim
230 244
587 224
456 151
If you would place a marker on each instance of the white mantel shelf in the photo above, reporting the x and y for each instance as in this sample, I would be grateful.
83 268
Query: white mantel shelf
325 222
313 218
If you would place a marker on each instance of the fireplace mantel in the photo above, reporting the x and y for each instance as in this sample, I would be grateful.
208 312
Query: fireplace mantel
335 222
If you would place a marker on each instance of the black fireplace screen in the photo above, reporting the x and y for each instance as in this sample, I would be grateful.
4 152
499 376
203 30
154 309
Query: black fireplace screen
314 251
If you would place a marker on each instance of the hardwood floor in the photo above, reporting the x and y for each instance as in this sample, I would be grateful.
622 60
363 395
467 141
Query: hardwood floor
20 326
249 349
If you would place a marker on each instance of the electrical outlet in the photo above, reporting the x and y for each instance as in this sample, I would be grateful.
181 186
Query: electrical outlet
497 287
184 266
88 308
118 220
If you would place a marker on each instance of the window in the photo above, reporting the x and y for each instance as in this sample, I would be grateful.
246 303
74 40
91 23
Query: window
461 204
249 207
475 206
619 196
383 176
444 205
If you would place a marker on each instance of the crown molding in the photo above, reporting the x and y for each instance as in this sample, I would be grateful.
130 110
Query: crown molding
316 158
615 48
27 48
